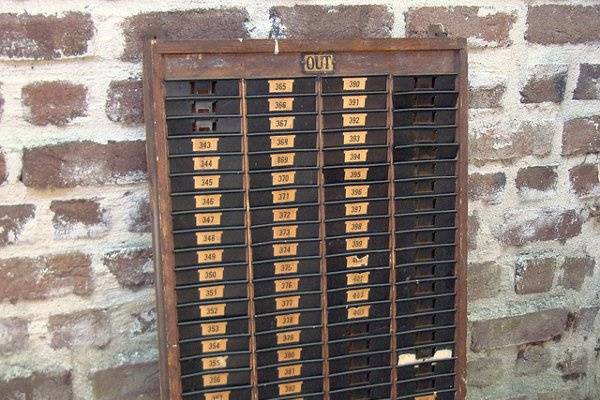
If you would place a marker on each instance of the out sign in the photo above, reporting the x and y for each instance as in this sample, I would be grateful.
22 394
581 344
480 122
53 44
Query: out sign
318 63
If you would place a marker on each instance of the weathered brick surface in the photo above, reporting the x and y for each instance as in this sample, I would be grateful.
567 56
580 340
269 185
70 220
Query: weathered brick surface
575 270
581 136
489 30
14 335
573 366
540 178
124 102
223 23
534 274
539 326
45 36
83 328
544 87
140 216
133 268
54 103
78 218
83 164
532 359
588 83
39 386
339 22
486 187
45 276
582 321
483 280
13 219
473 226
558 24
484 372
3 171
584 179
486 97
136 381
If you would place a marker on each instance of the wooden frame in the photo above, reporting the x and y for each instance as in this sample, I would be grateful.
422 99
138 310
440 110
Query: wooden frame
171 59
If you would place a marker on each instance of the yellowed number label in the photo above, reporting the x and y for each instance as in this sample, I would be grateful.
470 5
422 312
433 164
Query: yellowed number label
289 354
286 285
210 256
354 101
214 362
285 232
210 274
358 137
360 243
217 395
212 310
208 219
281 104
215 379
290 388
358 278
281 85
286 303
281 321
214 345
355 174
284 196
354 119
289 371
356 191
281 123
356 208
285 249
361 225
288 337
207 181
353 156
355 261
283 141
211 292
283 178
354 83
286 267
357 295
208 200
206 163
213 237
213 328
285 214
205 144
358 312
282 159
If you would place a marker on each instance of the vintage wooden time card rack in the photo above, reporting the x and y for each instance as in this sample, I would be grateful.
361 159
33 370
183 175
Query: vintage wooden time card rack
309 217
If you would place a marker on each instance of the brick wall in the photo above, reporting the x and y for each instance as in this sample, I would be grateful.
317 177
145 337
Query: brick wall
77 319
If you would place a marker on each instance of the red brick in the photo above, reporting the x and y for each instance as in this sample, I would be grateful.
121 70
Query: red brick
84 164
38 386
484 372
489 30
484 280
54 102
133 268
13 219
540 178
581 136
486 187
575 270
584 179
538 225
532 359
472 231
331 22
136 381
582 321
3 170
45 276
573 366
486 96
14 335
570 394
588 83
125 102
80 218
545 87
142 323
45 37
559 24
222 23
529 139
538 326
140 217
534 275
83 328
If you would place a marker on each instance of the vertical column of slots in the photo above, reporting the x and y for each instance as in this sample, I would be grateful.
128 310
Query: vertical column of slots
282 140
425 166
205 164
356 165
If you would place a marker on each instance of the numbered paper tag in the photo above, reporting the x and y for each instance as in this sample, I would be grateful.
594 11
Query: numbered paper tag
354 83
355 174
289 371
354 119
356 208
358 312
285 232
290 388
208 200
213 328
281 123
217 395
282 159
281 321
361 225
210 274
353 101
358 137
355 261
283 141
211 292
353 156
208 219
285 249
206 163
360 243
213 237
214 345
357 279
285 214
288 337
286 267
284 196
215 379
283 178
289 354
286 303
214 362
281 85
353 192
286 285
207 181
210 256
427 397
357 295
205 144
212 310
281 104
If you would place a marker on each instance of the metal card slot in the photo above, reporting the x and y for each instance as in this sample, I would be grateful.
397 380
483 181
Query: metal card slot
351 261
285 302
426 320
288 337
195 126
283 178
290 371
337 281
425 99
425 253
354 362
207 202
206 144
427 369
222 218
372 391
412 83
211 363
210 274
360 378
284 123
293 353
358 224
206 163
413 204
213 380
355 192
357 244
425 271
351 330
207 257
424 304
427 151
417 135
359 312
208 238
363 294
202 106
308 266
283 160
288 231
425 117
204 310
216 87
425 169
192 330
263 105
424 186
285 213
291 388
208 346
406 387
286 285
368 172
355 157
284 197
356 209
206 183
354 101
218 290
288 320
425 236
280 86
276 142
370 119
354 137
423 337
354 84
